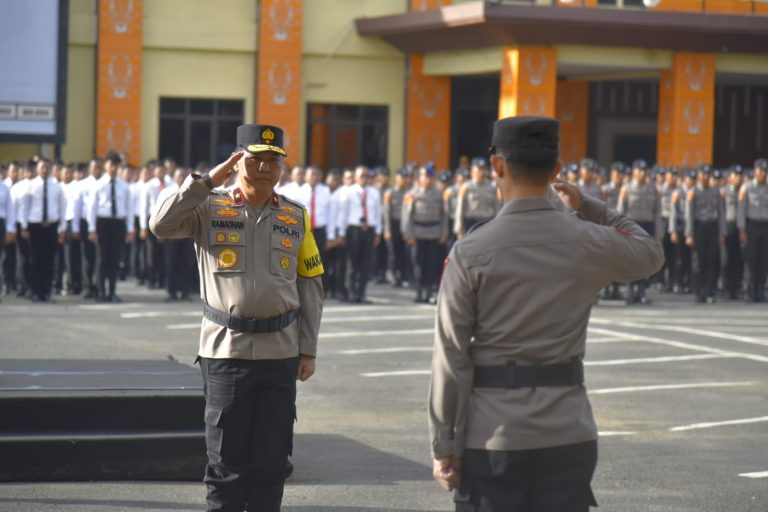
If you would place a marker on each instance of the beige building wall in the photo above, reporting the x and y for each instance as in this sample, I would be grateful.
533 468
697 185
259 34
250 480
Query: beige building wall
341 67
196 49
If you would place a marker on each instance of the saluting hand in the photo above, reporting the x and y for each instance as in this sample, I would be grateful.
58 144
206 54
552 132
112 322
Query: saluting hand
569 194
447 472
224 170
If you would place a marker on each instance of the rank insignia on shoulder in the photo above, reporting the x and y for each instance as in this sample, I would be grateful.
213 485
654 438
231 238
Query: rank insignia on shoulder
286 242
223 200
237 195
227 212
288 209
227 258
285 263
287 219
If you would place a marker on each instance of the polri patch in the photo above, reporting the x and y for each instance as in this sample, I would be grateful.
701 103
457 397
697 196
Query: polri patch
227 259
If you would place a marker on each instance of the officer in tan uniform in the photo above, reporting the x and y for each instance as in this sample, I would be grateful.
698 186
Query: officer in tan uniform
477 199
260 283
511 425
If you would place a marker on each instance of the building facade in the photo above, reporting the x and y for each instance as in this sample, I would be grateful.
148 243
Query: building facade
383 82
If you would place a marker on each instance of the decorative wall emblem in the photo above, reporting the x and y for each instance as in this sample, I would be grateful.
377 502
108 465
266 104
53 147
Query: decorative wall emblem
281 16
280 80
696 73
119 136
694 115
666 119
428 147
120 75
536 65
566 107
121 13
534 106
430 94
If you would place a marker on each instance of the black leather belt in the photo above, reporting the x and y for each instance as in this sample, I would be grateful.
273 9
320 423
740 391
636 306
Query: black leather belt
426 224
513 375
255 325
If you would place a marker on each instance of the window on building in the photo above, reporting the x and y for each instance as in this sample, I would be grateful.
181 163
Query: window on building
341 136
194 131
622 3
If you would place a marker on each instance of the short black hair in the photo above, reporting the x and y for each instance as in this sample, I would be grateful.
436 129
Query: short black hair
114 157
530 163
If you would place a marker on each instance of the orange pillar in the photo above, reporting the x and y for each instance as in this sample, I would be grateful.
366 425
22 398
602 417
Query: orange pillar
687 110
118 104
572 110
428 116
528 82
279 71
681 5
728 6
760 7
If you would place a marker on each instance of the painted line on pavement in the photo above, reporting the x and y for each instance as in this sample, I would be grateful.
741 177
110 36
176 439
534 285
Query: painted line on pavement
160 314
666 359
683 345
607 339
376 318
615 433
686 330
183 326
391 350
665 387
365 334
400 373
122 305
715 424
759 474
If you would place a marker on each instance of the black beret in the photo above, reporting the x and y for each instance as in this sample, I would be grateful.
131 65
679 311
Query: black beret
465 173
619 167
673 171
372 173
691 172
705 168
382 170
640 164
588 163
572 168
526 132
429 167
761 163
257 138
444 177
480 162
405 172
736 169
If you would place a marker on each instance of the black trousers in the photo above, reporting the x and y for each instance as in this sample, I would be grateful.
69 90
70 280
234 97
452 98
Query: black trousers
545 480
181 266
138 254
757 258
733 267
89 253
401 261
683 261
2 251
24 267
321 238
74 260
250 408
706 237
381 262
428 258
360 252
9 266
637 288
110 250
338 280
42 251
667 274
155 252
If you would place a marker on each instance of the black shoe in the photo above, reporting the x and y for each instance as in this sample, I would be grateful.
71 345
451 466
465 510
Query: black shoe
115 298
701 300
710 300
644 300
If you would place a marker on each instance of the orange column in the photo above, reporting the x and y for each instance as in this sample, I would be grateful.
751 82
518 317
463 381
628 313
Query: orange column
528 82
428 116
728 6
682 5
426 5
118 104
760 7
279 71
688 106
572 110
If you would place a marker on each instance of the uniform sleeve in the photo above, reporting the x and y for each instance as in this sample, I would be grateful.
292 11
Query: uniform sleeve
62 210
93 202
26 206
672 224
631 253
128 210
377 214
385 212
178 216
721 215
741 210
452 367
406 223
310 288
690 203
658 222
458 222
621 203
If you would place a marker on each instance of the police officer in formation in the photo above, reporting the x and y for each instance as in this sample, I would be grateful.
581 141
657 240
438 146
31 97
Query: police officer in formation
263 299
477 200
753 230
510 421
425 227
733 266
392 210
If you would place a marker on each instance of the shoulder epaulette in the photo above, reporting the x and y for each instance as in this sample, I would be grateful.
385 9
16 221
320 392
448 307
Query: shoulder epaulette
292 202
477 225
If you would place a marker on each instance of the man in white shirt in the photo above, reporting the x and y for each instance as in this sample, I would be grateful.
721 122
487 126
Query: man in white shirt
16 264
7 222
139 251
73 193
319 210
110 225
180 256
155 252
43 223
361 224
297 189
87 186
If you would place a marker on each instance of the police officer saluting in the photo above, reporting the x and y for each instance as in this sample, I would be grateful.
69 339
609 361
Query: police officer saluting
260 282
511 425
753 230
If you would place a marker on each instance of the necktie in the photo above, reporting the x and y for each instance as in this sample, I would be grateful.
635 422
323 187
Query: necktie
312 210
365 209
113 198
45 200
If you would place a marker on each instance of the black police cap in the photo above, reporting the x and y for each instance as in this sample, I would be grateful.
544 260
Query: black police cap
705 168
673 171
444 177
619 167
429 168
573 168
640 164
258 138
736 169
761 163
588 163
480 162
405 172
526 132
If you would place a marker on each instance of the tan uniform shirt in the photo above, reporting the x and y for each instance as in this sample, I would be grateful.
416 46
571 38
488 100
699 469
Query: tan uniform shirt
520 288
423 215
253 263
476 201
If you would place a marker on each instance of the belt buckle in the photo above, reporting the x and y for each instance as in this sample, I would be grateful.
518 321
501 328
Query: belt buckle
511 374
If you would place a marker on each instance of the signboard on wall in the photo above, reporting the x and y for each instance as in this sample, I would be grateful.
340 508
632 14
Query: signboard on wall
33 76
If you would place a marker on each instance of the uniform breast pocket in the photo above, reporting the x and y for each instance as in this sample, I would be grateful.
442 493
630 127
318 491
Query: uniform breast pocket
283 252
228 258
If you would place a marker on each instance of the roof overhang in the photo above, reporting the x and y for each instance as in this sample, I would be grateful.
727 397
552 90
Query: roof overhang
481 24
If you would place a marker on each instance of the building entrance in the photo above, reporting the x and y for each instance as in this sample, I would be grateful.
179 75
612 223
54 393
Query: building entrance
474 109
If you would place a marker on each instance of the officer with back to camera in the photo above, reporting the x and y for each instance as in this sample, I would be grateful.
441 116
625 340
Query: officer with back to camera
260 282
511 425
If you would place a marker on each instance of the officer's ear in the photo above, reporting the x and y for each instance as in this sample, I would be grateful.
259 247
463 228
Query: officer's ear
497 164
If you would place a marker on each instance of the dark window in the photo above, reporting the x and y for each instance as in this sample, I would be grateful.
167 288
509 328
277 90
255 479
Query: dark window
193 131
346 135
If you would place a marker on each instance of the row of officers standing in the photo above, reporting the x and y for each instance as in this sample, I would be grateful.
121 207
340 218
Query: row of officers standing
79 229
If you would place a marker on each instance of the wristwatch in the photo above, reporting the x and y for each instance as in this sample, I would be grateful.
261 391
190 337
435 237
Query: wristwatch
207 181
